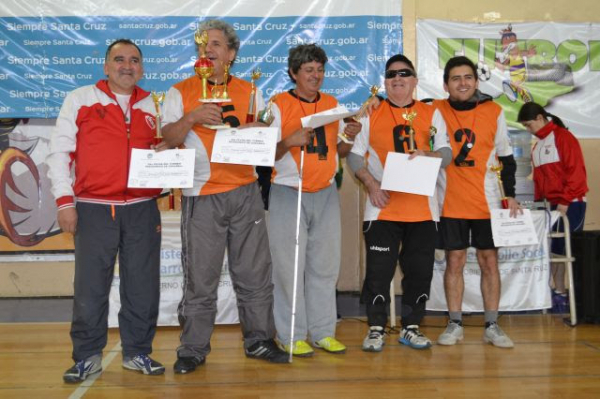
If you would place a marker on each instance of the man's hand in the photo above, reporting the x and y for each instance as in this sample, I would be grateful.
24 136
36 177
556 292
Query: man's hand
417 152
379 198
352 128
207 114
514 207
300 137
67 220
252 124
160 146
562 209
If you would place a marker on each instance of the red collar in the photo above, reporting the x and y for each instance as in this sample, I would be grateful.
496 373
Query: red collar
137 95
546 130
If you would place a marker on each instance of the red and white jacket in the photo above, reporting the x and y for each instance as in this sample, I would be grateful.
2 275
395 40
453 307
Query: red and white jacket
558 167
91 136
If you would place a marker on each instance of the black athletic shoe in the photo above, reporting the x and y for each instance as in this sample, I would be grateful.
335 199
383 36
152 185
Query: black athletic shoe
185 365
268 350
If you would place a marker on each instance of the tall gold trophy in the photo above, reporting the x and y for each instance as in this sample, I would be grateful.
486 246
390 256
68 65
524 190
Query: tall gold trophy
362 111
204 67
503 198
254 76
410 117
158 98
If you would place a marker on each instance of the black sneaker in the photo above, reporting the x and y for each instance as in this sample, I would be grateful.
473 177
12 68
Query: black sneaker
83 369
185 365
268 350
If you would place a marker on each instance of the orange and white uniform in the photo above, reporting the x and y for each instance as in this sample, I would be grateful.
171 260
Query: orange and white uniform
385 131
319 235
318 173
211 178
469 189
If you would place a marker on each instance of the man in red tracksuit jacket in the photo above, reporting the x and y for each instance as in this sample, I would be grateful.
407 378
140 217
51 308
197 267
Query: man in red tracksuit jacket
96 129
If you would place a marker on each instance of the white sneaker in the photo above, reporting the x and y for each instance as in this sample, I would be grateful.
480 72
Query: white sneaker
495 336
411 336
454 332
374 342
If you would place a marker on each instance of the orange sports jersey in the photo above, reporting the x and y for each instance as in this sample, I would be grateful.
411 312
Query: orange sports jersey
476 137
318 173
213 178
388 132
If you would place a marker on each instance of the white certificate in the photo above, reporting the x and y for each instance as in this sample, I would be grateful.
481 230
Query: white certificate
326 117
249 146
510 232
414 176
164 169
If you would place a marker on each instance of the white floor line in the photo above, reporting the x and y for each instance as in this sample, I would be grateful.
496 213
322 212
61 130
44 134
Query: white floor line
85 385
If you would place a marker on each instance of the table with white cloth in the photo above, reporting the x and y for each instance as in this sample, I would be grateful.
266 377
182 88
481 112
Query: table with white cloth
524 272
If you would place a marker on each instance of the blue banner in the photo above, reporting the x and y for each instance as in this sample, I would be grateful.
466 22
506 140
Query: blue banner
43 58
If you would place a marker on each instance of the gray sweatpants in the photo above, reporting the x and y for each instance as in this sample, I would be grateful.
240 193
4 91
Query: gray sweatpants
318 264
234 220
134 232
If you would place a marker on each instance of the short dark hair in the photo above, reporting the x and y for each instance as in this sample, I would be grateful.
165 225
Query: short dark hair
121 41
399 58
529 111
302 54
456 62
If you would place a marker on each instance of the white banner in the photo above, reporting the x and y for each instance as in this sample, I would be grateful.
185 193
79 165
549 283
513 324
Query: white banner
554 64
171 281
524 271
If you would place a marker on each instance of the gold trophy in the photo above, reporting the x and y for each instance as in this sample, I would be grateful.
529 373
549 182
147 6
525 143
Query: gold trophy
497 169
204 67
362 111
432 133
266 115
158 98
410 117
219 92
254 76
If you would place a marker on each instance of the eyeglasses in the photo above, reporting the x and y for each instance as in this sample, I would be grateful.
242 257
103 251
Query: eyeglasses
403 73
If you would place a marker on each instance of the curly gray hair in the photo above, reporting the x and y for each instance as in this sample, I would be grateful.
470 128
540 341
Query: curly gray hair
233 41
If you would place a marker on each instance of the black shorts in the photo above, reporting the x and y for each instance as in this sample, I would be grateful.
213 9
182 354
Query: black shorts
457 234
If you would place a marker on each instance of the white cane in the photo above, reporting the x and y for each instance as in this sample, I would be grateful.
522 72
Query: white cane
297 254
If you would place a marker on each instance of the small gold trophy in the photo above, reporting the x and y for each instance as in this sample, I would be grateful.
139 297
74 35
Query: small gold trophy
254 76
219 92
204 67
362 111
432 133
410 117
158 98
266 115
497 169
225 95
